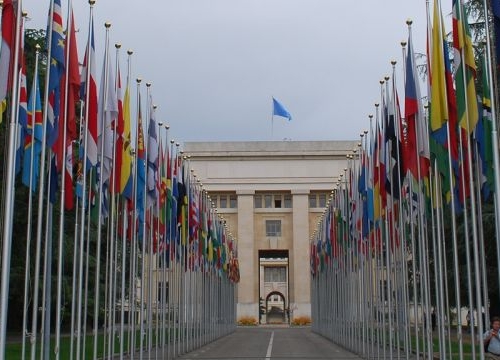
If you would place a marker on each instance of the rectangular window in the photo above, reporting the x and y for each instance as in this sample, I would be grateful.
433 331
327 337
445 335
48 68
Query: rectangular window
222 201
322 200
233 201
288 201
268 201
275 274
273 227
277 201
312 200
257 201
162 292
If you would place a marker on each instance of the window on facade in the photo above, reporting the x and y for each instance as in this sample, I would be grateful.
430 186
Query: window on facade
268 201
233 201
257 201
312 200
222 201
273 201
162 292
321 200
275 274
318 200
273 227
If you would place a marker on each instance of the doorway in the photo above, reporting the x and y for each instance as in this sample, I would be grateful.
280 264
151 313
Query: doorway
273 286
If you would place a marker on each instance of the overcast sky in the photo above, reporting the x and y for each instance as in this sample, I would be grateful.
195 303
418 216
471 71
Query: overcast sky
215 64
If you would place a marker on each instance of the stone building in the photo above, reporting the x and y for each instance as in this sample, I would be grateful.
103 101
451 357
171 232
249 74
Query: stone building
271 195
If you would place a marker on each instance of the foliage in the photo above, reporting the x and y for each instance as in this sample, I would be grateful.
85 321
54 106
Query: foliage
247 321
301 321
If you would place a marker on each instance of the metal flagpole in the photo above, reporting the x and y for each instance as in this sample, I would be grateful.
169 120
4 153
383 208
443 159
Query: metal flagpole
41 192
69 27
494 134
141 295
116 190
107 25
475 236
86 287
29 226
147 239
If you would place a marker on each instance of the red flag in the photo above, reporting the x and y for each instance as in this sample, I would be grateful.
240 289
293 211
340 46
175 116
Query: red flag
70 84
7 49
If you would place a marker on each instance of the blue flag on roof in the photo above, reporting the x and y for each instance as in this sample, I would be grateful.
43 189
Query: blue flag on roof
280 110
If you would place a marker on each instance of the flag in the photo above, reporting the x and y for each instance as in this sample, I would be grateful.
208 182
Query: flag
7 51
89 95
22 130
415 143
107 116
71 79
280 110
484 138
119 142
126 164
56 72
141 170
443 113
33 140
152 157
439 102
465 66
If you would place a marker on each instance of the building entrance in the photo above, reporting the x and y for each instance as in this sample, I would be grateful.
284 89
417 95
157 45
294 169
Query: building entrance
273 286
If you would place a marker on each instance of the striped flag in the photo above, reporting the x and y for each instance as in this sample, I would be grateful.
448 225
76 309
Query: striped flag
90 97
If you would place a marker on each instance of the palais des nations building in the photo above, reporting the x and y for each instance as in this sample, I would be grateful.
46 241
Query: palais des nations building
270 194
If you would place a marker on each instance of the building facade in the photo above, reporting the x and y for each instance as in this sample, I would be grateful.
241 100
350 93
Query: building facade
271 195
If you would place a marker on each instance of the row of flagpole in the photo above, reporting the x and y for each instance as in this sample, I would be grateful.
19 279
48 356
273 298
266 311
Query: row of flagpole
142 254
383 248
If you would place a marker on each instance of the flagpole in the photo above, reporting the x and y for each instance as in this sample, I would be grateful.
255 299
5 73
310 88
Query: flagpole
30 204
9 194
41 192
494 134
69 26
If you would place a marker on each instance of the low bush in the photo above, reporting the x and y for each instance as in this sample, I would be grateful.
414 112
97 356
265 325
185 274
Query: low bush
301 321
247 321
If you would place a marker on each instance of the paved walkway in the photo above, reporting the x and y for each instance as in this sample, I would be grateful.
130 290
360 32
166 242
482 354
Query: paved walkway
268 342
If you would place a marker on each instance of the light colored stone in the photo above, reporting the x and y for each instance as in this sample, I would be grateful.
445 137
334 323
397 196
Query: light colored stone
246 169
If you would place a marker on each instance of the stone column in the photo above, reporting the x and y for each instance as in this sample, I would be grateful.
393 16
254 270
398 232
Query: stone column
301 304
247 288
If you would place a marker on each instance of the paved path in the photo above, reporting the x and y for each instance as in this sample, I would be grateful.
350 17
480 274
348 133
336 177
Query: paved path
268 343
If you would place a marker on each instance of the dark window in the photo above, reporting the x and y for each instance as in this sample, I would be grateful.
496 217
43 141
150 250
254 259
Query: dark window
257 201
233 201
312 200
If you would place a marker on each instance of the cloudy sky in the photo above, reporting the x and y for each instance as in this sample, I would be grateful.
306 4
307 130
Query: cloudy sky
215 64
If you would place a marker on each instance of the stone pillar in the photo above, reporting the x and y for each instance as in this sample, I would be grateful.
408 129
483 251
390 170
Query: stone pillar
301 304
248 304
